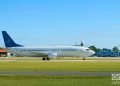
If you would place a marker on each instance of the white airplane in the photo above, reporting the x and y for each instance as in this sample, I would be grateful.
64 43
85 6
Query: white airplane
46 52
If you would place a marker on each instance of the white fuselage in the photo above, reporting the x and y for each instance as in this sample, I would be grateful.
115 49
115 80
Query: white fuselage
52 51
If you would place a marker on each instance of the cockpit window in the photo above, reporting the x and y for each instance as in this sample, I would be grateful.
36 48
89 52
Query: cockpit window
87 49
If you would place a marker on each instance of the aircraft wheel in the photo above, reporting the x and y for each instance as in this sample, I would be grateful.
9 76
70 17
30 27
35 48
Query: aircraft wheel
83 58
48 58
43 58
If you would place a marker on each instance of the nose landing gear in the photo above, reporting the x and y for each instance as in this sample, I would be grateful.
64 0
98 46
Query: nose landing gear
84 58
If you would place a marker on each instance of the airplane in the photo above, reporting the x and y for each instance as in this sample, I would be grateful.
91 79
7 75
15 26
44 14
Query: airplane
46 52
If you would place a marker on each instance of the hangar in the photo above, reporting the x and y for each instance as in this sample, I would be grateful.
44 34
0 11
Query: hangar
3 53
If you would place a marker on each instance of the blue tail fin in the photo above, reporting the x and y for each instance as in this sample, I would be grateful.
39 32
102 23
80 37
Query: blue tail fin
9 42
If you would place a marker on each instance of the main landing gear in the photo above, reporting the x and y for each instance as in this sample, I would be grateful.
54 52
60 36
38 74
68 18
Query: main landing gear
45 58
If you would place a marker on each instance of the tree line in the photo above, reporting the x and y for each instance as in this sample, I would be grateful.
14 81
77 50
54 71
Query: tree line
94 48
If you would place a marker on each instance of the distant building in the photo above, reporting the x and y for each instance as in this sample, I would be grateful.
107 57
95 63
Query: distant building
107 53
3 53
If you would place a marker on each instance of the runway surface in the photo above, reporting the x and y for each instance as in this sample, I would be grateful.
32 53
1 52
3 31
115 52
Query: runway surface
36 59
56 73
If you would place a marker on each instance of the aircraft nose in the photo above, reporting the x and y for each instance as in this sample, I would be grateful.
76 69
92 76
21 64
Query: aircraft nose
91 52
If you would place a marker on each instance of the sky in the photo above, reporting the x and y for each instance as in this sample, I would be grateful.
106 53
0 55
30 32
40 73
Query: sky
61 22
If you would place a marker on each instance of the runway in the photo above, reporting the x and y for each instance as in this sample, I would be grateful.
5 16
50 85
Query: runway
56 73
36 59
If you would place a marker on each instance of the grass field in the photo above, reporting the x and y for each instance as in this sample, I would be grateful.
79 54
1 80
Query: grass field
54 81
35 64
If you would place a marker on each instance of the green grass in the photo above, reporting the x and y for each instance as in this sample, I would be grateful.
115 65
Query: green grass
54 81
61 66
35 64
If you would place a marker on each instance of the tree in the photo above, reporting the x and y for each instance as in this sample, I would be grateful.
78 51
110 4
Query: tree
115 49
93 48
